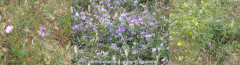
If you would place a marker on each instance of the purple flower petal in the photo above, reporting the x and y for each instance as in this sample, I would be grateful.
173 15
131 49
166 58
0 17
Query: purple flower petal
9 29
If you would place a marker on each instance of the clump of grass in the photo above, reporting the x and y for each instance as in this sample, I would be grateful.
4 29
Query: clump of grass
36 30
112 31
210 30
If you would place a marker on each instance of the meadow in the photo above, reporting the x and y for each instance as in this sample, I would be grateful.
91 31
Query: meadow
204 32
119 30
35 32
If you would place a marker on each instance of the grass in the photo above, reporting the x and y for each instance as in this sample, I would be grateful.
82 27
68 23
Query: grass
204 32
24 45
119 31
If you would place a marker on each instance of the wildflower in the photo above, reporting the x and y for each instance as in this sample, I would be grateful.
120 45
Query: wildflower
180 58
135 2
167 48
161 44
148 35
190 32
135 52
188 26
163 59
134 43
143 27
193 20
123 28
59 40
76 14
173 32
83 17
9 29
190 11
144 11
98 53
200 10
194 4
167 8
179 43
209 43
170 15
184 4
202 2
196 23
179 10
218 20
82 60
101 2
185 50
154 49
42 32
89 36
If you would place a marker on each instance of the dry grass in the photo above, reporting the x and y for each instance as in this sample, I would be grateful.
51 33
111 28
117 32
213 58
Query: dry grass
48 13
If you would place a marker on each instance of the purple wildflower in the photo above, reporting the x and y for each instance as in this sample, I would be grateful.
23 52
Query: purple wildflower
89 36
135 52
167 48
42 32
101 2
209 43
154 49
82 60
9 29
98 53
161 44
83 17
163 59
123 28
143 27
59 40
134 43
82 13
167 8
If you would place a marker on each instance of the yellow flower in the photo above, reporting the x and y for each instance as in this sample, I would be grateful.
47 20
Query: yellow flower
196 23
170 14
184 4
190 32
184 15
188 26
179 10
179 43
205 10
202 2
185 50
204 36
231 24
180 58
193 20
200 10
173 32
194 4
190 11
